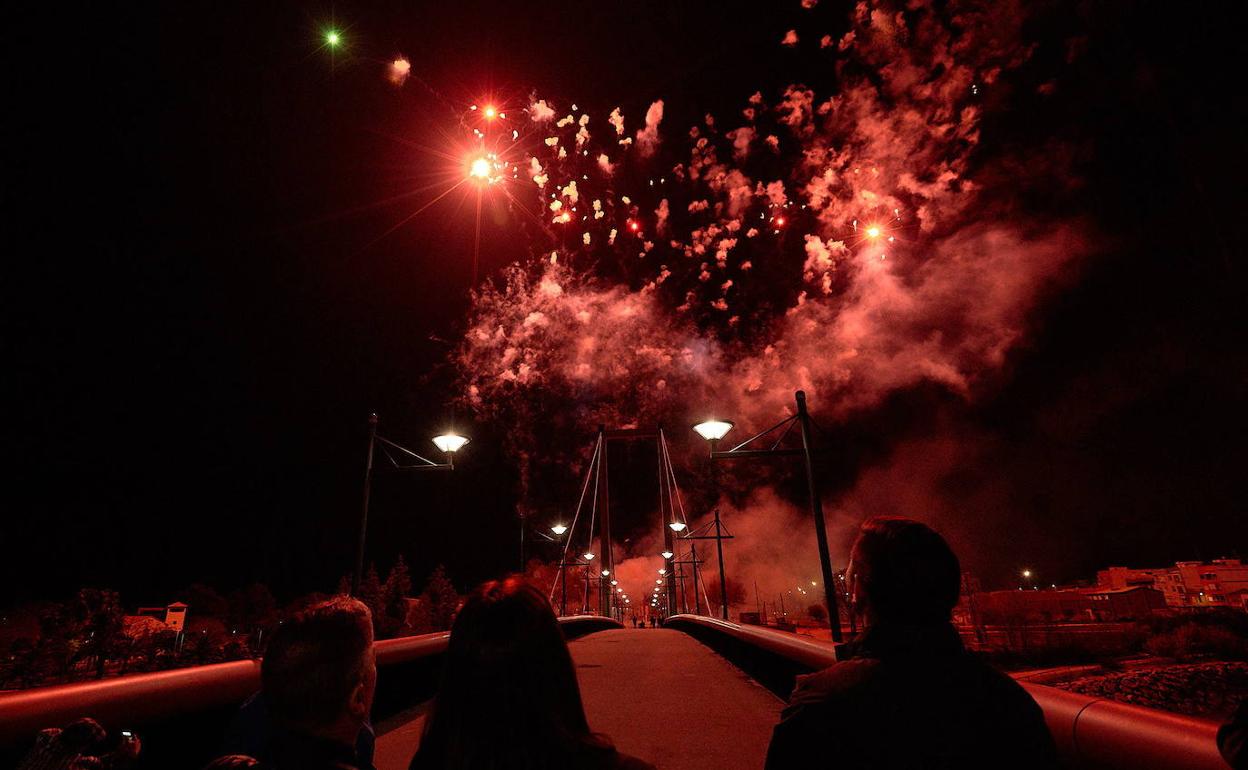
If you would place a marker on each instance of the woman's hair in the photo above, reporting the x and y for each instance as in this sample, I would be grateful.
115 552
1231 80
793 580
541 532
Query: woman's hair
509 695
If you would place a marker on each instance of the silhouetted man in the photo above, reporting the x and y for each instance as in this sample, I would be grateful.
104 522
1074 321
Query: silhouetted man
318 677
907 694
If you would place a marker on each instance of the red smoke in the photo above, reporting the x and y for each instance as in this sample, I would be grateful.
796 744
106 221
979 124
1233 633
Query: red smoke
756 282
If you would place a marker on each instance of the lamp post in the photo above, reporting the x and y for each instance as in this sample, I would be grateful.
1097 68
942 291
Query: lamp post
448 443
802 420
713 431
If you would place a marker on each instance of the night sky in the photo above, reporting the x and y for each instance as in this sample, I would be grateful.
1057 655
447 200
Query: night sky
201 308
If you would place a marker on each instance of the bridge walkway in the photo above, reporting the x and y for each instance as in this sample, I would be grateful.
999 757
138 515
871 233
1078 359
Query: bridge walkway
661 696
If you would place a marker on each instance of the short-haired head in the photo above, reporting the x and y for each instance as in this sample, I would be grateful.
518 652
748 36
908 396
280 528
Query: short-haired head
902 571
319 667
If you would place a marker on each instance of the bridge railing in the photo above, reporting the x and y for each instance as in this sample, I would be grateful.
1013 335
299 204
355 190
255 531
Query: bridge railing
180 715
1090 732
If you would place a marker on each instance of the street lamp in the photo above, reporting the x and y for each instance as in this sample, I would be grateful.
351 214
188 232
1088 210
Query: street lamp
677 526
666 554
606 572
449 443
803 421
588 556
713 431
558 529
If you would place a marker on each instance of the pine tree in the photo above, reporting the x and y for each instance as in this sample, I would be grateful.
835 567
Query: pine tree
394 594
442 599
372 594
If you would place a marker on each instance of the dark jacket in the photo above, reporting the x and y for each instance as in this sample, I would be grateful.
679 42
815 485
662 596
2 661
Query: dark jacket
911 697
1233 738
251 732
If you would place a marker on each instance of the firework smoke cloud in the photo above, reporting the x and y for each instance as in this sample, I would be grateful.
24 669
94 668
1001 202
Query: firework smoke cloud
852 244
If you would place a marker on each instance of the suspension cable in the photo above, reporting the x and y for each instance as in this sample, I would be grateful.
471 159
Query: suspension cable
576 517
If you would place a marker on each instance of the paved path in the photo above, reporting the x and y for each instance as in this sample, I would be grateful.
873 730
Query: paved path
659 694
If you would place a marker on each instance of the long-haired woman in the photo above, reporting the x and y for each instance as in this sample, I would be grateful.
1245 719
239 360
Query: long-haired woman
509 696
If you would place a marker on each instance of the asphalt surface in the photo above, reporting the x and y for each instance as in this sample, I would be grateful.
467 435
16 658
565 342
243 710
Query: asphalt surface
660 695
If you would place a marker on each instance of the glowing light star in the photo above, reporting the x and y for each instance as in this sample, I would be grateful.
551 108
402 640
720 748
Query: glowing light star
873 232
632 225
489 112
480 168
333 38
780 221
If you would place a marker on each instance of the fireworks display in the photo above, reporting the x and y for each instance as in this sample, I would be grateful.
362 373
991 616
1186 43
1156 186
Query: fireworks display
853 244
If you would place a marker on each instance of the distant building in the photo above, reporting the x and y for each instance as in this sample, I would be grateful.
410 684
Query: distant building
1130 603
1188 584
1043 606
172 615
1196 584
1126 577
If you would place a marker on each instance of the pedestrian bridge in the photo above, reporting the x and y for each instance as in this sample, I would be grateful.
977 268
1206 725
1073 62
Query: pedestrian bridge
698 693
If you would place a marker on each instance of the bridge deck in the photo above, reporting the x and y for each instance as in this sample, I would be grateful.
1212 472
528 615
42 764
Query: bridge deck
658 693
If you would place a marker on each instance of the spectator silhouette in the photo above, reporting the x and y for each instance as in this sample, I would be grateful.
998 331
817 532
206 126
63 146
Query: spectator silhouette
317 677
509 696
907 694
1233 738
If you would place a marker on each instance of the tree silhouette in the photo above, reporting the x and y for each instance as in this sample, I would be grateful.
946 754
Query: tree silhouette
98 619
204 601
441 598
397 588
372 593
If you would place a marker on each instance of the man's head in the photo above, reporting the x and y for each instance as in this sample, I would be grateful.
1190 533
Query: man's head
901 571
319 672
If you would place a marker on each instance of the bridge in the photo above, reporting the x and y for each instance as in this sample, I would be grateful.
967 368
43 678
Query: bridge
697 693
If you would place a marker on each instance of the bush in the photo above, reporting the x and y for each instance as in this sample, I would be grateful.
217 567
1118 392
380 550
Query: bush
1195 639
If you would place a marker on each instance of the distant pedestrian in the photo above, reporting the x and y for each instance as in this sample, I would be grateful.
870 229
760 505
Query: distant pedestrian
908 694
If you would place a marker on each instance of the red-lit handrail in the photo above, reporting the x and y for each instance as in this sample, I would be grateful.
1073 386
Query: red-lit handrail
143 698
1090 732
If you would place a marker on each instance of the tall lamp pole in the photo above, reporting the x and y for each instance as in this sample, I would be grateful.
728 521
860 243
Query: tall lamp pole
714 430
448 443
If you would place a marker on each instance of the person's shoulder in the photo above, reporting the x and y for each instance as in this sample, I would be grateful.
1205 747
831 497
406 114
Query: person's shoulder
841 679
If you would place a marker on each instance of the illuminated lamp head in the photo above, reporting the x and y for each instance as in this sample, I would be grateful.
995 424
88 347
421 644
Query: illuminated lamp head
713 430
449 442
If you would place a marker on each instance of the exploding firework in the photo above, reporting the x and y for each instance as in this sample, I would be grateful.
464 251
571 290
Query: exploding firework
836 243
